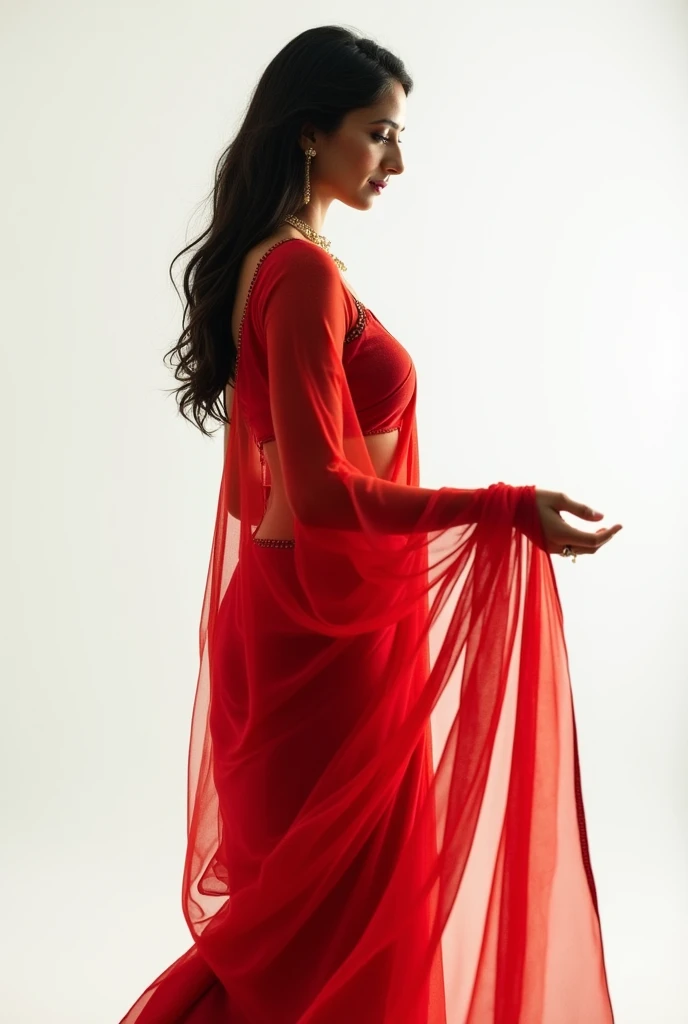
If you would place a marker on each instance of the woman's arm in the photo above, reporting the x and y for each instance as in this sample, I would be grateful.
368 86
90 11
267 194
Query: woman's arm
305 321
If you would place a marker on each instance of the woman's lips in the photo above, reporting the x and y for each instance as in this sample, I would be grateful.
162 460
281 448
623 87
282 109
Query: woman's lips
378 188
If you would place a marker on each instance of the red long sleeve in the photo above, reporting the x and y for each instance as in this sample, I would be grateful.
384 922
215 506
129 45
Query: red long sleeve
318 438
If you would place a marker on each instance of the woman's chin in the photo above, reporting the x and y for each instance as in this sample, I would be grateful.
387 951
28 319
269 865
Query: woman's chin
361 200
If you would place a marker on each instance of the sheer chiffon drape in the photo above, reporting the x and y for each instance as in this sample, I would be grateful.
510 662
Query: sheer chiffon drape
385 818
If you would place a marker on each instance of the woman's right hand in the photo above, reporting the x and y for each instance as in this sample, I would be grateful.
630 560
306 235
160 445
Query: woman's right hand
558 533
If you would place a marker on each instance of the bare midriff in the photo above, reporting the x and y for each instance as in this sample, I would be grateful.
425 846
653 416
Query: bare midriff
278 521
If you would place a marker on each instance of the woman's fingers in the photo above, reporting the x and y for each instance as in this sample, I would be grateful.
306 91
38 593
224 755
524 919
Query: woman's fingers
581 541
587 544
559 534
577 508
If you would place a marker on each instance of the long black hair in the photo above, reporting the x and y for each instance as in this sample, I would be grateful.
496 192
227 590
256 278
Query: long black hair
320 76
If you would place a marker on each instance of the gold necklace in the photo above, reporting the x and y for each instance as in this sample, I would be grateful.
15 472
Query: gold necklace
308 231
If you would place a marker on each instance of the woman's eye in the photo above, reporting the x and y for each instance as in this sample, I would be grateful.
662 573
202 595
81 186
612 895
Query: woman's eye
382 138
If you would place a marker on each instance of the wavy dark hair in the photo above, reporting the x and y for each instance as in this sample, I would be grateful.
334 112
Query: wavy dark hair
319 77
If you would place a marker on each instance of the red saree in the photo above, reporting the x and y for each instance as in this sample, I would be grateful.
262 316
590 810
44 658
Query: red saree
385 820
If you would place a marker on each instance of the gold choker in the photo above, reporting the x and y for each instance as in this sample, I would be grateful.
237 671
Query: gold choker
313 236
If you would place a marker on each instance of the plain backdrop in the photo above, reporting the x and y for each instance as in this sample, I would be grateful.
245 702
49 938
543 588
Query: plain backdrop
533 260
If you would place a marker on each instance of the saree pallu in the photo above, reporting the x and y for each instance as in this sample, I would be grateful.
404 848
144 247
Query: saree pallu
385 812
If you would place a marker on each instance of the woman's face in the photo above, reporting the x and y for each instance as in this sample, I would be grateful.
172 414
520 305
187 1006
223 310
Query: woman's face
364 148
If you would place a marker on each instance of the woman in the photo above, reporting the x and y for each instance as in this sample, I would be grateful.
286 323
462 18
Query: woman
385 820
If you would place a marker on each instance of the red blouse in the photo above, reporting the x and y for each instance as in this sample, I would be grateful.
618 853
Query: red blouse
379 371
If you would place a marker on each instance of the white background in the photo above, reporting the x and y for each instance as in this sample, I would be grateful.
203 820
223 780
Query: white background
532 258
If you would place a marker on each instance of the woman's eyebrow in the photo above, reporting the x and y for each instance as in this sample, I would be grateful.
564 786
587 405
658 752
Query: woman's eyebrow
386 120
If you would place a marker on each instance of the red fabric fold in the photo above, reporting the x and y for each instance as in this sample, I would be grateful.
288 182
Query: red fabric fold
385 819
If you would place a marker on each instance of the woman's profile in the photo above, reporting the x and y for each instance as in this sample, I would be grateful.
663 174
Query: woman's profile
385 816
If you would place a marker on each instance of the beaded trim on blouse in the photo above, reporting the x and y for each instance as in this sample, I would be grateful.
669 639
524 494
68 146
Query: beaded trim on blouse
274 542
360 323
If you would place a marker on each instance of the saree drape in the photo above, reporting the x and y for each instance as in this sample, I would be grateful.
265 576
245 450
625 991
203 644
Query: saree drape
385 817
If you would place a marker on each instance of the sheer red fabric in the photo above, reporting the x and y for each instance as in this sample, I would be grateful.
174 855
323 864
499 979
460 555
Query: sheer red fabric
385 819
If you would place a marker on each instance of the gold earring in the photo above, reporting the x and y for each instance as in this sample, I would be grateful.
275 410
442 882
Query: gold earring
307 188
